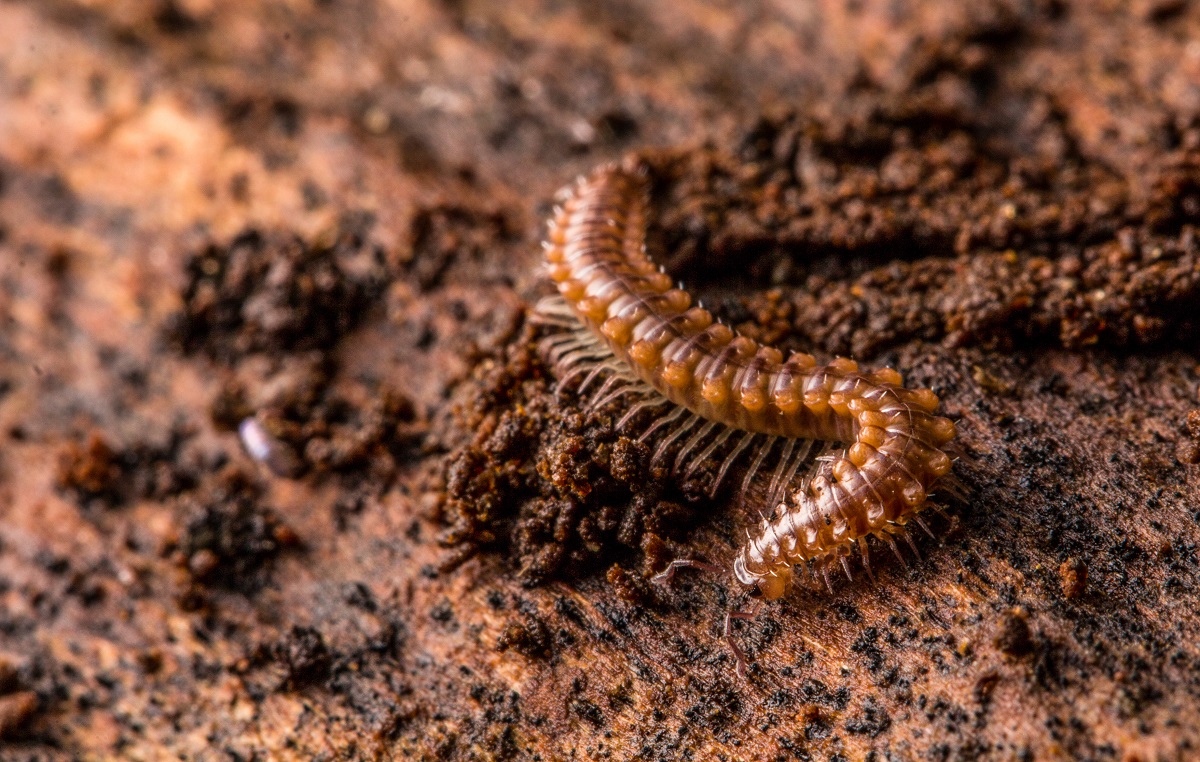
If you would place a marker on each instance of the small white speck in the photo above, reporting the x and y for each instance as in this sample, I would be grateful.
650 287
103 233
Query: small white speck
255 439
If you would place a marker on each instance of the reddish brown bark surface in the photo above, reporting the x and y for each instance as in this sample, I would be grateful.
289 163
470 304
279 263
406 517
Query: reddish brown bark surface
326 215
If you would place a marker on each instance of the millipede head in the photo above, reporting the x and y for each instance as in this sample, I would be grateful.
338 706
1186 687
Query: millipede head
772 586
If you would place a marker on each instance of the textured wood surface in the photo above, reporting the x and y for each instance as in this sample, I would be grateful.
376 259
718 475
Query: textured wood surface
326 216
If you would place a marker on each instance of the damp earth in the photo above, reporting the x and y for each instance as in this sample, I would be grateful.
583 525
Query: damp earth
325 218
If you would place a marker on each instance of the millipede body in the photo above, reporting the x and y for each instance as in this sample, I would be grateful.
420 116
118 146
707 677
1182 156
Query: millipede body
727 393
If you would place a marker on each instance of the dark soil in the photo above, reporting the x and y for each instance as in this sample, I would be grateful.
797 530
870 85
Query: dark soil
324 218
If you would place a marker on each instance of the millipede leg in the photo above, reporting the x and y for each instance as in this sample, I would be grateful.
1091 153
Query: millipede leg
562 322
617 394
560 342
953 486
665 576
651 403
683 428
729 461
569 353
602 393
707 451
601 368
804 448
585 364
692 441
565 356
738 654
780 469
577 334
921 523
825 576
555 321
674 415
553 307
866 558
908 538
759 457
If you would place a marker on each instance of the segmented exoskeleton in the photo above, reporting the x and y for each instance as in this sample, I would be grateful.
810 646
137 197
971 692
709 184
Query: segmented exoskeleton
727 393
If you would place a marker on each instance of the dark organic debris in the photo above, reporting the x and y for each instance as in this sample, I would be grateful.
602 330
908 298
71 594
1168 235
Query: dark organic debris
229 538
556 485
1013 635
276 292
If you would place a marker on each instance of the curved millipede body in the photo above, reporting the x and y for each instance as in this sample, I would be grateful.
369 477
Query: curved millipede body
711 386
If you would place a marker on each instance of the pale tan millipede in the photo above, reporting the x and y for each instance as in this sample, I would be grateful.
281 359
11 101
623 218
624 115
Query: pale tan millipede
706 382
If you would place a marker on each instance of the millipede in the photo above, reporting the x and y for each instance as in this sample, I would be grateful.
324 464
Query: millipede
716 392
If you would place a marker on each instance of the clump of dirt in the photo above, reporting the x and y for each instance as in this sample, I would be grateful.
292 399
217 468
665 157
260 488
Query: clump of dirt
1188 451
305 656
96 472
229 538
528 636
1013 636
895 225
275 292
555 486
291 302
89 470
322 427
16 709
1072 575
18 704
443 236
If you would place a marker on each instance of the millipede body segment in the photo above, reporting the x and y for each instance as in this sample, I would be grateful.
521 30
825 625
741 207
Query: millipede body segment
714 385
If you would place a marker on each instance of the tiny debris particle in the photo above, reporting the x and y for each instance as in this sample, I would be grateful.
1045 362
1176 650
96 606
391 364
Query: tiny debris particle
192 599
529 637
276 292
15 711
229 407
305 656
442 612
276 455
91 469
286 536
656 552
1188 453
984 687
8 675
1013 636
203 563
1072 575
990 382
627 586
1164 550
229 521
376 120
255 439
588 711
150 660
